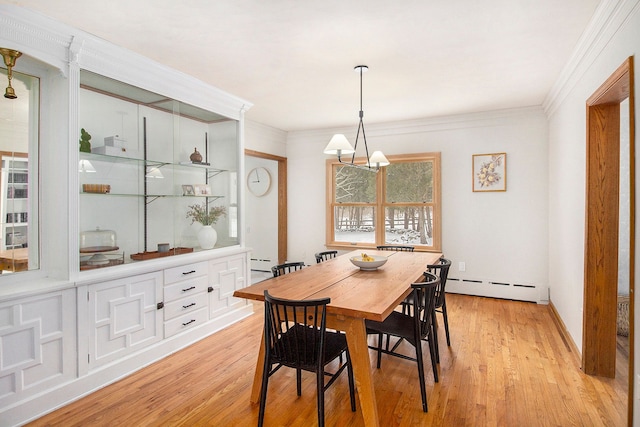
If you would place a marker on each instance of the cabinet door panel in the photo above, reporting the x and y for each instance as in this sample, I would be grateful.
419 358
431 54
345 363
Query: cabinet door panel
225 276
124 316
35 335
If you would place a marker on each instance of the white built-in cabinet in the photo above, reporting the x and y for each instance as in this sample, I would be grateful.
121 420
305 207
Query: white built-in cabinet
128 314
66 330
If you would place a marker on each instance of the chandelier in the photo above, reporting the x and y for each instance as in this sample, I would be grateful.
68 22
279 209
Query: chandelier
339 145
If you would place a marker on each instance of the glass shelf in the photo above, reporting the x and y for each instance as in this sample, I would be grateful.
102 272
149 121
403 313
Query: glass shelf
149 162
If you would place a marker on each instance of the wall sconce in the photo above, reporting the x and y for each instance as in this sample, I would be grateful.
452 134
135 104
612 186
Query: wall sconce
86 166
10 56
154 172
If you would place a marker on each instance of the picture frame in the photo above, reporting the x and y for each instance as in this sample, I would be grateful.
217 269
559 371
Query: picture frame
489 172
187 190
202 190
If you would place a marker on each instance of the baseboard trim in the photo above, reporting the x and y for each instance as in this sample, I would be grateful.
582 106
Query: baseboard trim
566 337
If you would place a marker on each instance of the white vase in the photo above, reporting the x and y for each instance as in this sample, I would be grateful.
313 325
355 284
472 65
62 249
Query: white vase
207 237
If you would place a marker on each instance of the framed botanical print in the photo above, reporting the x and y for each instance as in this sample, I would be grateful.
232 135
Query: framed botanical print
489 172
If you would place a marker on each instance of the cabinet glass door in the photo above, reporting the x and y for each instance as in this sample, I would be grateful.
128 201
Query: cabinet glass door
146 161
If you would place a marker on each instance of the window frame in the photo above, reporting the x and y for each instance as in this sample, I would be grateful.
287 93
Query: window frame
380 205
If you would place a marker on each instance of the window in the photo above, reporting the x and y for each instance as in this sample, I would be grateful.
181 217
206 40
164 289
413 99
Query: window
398 205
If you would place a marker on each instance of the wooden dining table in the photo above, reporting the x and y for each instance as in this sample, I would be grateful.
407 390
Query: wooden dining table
356 295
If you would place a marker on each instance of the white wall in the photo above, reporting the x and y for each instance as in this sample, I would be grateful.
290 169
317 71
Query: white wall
265 139
500 236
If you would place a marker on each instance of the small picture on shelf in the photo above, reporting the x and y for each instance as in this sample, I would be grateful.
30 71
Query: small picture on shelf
202 190
187 190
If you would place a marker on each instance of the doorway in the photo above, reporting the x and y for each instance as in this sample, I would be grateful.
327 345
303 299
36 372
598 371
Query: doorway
603 214
266 217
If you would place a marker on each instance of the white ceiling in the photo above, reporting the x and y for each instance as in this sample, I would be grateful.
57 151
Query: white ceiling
294 59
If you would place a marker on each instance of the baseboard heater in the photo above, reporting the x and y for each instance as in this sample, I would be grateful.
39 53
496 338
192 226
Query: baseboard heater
523 286
496 289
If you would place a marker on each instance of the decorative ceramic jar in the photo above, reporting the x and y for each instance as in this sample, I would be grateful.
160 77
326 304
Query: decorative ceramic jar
195 157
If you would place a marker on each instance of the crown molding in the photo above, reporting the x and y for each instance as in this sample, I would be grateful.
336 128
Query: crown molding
35 35
424 125
608 19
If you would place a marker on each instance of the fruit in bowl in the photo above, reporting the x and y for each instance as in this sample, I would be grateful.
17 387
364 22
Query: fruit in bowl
368 262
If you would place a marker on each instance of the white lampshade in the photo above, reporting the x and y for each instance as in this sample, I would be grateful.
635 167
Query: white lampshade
378 159
339 145
85 166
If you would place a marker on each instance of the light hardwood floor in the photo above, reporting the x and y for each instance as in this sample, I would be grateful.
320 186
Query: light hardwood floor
507 366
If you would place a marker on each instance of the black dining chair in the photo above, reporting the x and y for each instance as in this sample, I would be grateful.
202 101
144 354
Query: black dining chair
413 328
287 267
401 248
295 336
324 256
440 269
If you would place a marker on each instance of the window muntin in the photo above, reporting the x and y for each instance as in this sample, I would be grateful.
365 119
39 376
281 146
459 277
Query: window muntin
407 192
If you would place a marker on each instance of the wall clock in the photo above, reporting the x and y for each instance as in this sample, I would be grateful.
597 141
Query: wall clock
259 181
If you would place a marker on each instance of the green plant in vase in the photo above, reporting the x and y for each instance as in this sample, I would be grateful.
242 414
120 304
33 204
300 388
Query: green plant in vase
198 213
85 141
207 235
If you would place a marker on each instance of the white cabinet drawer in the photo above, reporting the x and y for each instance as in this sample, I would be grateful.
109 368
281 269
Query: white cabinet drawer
185 305
176 274
184 288
184 322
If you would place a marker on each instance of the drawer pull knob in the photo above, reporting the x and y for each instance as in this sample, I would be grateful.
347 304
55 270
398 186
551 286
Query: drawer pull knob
190 321
188 272
188 289
160 305
189 305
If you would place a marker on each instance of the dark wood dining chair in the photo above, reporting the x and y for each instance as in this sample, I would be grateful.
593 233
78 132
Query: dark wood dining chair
324 256
413 328
295 336
287 267
402 248
440 269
